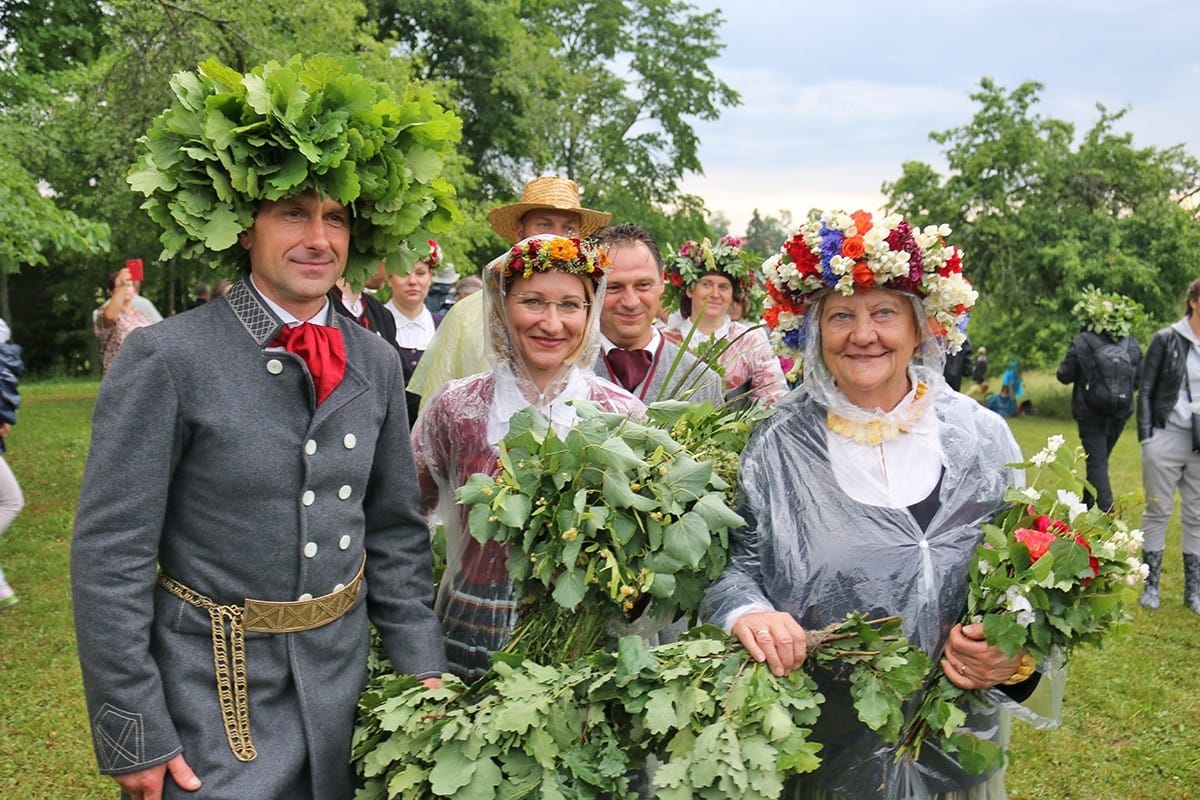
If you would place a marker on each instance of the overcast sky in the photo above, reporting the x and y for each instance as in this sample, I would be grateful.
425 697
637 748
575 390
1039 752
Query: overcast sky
837 96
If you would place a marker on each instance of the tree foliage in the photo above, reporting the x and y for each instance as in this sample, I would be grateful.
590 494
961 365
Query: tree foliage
32 224
77 134
765 235
1041 216
604 92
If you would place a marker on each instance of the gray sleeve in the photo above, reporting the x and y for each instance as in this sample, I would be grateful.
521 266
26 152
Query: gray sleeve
399 555
136 441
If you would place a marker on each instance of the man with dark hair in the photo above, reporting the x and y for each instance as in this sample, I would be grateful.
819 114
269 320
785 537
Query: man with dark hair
634 353
249 500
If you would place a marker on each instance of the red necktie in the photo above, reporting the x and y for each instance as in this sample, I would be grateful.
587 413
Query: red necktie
628 366
323 351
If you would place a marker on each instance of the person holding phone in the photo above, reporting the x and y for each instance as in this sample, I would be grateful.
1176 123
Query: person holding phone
114 320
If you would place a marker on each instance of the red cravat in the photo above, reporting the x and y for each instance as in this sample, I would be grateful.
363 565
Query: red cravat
323 351
628 366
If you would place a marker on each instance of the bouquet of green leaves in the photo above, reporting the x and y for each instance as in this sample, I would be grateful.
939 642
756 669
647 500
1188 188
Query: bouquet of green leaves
598 523
715 436
719 724
1050 575
600 520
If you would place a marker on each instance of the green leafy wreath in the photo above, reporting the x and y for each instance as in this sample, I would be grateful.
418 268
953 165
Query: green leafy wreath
229 141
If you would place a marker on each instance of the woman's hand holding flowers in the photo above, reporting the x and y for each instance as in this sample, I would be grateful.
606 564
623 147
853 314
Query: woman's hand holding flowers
774 637
971 663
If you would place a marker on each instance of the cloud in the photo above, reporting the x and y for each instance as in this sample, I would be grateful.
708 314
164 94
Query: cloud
834 103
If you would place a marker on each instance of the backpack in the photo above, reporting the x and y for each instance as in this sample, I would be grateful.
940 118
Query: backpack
1109 386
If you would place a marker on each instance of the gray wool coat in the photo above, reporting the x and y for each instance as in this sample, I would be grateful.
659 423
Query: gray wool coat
690 374
207 457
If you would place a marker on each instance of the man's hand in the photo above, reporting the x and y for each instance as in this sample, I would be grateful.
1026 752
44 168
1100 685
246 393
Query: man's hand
147 784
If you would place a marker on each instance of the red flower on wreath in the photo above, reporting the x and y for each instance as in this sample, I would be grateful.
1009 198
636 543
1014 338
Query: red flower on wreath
864 276
853 248
805 260
952 265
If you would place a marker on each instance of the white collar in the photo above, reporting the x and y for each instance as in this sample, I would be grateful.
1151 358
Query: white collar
320 318
651 346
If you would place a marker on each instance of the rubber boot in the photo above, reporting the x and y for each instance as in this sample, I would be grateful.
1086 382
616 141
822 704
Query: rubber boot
1153 560
1191 582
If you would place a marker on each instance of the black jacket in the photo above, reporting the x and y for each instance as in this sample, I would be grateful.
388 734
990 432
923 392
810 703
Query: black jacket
375 316
1080 362
1162 377
959 365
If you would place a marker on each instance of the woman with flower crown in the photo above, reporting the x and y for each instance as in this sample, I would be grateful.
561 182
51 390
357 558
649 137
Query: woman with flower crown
543 335
866 490
704 281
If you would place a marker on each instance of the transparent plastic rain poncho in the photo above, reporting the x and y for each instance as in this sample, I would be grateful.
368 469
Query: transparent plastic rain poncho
818 551
458 434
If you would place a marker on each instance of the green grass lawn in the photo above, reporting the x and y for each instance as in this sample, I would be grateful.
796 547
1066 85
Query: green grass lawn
1129 730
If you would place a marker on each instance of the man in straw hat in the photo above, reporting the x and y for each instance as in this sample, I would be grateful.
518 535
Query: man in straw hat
249 498
549 204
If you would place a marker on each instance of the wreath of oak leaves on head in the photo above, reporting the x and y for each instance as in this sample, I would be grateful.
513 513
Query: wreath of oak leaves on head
229 141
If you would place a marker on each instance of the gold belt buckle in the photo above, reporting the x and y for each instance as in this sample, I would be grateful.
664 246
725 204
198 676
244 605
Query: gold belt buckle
260 616
270 616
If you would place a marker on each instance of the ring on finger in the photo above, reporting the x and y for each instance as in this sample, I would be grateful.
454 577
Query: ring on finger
962 669
761 632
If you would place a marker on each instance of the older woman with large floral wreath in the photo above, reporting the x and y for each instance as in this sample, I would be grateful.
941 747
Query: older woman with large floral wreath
866 490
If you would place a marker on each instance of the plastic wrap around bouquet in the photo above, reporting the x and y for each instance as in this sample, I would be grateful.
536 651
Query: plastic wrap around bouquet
1050 575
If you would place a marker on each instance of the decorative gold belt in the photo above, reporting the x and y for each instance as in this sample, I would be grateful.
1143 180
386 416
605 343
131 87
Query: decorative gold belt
259 616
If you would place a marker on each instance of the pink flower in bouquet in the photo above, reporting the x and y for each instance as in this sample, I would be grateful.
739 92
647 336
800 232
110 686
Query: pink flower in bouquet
1045 530
1038 541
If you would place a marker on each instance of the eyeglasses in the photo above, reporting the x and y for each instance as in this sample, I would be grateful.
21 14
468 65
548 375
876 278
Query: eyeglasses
538 305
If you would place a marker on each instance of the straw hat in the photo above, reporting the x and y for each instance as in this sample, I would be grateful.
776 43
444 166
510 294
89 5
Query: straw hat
550 192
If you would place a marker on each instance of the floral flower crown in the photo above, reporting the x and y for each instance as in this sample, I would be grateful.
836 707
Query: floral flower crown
1111 314
554 253
846 252
685 267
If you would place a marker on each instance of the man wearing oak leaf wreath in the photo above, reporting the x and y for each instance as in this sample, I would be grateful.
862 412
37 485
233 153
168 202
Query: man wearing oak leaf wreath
249 498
